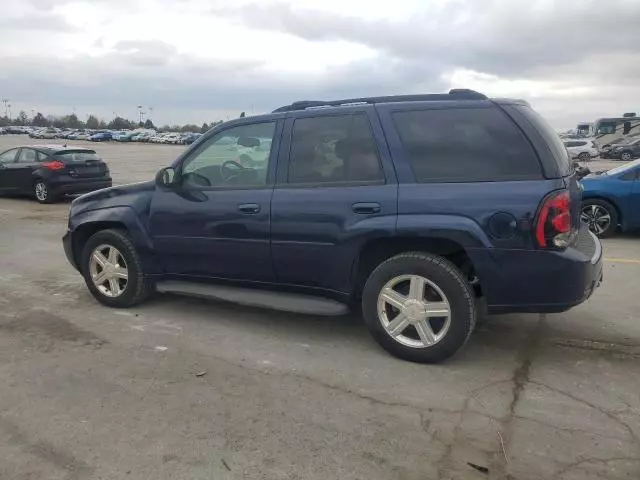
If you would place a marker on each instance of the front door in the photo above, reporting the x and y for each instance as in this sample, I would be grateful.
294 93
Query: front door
336 191
22 169
7 180
216 222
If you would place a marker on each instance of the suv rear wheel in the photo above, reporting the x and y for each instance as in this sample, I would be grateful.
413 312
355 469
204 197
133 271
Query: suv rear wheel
419 307
112 270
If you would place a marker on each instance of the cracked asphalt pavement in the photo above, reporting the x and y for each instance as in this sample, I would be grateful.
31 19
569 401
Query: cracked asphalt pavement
180 388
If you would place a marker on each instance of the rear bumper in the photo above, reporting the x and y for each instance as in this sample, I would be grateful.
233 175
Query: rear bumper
80 185
536 281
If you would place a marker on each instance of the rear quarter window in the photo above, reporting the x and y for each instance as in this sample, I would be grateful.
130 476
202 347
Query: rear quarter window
465 145
549 136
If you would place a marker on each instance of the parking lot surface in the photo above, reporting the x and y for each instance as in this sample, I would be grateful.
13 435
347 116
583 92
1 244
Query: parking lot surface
186 389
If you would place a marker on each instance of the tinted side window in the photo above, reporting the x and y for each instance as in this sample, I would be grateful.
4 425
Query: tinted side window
338 148
465 145
8 157
550 136
235 157
571 144
27 156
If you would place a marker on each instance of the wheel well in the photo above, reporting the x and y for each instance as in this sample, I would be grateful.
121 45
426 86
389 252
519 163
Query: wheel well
611 202
85 231
377 251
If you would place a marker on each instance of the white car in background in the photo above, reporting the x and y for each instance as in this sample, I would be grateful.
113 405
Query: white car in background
583 149
173 138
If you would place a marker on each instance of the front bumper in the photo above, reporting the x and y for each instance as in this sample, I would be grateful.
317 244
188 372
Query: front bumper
67 244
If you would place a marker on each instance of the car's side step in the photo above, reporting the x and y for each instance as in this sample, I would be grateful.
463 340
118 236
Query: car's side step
290 302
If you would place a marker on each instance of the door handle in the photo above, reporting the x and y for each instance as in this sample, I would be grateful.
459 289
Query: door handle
249 208
364 208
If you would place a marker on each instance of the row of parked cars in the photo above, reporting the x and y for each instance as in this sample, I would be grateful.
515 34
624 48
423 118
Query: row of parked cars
140 135
585 149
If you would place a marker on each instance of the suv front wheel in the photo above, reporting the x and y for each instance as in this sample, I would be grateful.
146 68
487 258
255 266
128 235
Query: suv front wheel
419 307
112 270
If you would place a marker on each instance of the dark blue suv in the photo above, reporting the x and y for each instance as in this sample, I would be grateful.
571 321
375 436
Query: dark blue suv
409 207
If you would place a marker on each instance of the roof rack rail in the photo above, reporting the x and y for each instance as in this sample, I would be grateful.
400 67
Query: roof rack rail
454 94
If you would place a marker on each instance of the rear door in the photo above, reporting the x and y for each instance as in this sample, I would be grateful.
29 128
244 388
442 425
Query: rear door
336 189
7 159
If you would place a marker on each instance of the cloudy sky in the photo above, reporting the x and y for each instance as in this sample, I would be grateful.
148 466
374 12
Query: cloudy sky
200 60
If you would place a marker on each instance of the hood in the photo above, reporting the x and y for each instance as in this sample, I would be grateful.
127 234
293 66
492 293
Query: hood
121 195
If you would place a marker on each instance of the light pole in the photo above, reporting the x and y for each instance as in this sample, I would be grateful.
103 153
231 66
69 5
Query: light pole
140 113
5 101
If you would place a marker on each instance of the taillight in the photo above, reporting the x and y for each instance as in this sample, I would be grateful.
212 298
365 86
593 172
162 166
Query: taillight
553 226
55 165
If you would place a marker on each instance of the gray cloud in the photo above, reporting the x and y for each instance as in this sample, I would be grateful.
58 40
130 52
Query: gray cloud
501 37
583 43
42 21
183 82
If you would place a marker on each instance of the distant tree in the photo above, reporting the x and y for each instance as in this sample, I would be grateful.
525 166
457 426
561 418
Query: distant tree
72 121
165 128
190 128
148 124
204 128
92 122
102 124
40 121
4 121
217 122
59 122
22 118
120 123
243 114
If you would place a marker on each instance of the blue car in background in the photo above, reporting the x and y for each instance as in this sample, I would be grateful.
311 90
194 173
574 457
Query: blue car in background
611 199
101 137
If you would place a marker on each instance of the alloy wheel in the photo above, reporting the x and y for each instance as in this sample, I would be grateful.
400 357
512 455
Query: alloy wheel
108 270
626 156
414 311
41 191
596 217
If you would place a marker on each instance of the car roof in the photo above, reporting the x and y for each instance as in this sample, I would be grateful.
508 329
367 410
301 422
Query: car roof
454 94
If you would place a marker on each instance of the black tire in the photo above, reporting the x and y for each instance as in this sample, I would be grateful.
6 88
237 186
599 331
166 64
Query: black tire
449 280
626 156
137 287
600 204
42 193
584 157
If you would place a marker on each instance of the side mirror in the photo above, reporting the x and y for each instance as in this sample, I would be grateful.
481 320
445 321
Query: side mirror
167 177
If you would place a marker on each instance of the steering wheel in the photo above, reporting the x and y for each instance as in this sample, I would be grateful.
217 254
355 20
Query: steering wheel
232 169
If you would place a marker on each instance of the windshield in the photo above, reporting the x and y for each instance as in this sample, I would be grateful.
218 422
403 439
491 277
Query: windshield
623 168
